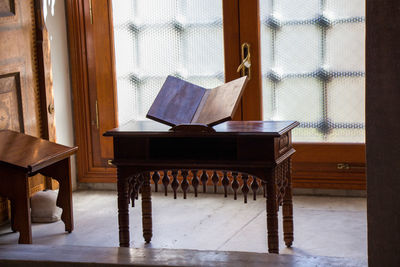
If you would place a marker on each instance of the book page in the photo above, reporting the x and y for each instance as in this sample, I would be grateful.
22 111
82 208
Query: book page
221 103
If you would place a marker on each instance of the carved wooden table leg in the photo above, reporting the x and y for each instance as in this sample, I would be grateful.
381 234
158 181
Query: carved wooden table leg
22 219
61 171
287 208
146 209
123 208
272 213
18 193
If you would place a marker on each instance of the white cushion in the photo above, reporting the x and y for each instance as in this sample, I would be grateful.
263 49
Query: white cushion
43 207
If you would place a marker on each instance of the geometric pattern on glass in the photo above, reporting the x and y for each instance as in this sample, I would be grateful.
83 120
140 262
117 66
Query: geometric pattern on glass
313 67
157 38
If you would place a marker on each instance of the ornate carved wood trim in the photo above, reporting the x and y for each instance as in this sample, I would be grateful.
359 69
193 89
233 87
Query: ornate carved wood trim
44 74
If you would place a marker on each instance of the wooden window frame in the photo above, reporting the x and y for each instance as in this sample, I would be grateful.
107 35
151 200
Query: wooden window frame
316 165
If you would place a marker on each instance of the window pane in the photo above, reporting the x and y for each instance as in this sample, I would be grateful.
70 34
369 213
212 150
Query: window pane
298 9
346 8
157 38
295 49
345 50
313 67
350 91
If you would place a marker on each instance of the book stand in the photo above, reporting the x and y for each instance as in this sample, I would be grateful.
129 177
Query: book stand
188 107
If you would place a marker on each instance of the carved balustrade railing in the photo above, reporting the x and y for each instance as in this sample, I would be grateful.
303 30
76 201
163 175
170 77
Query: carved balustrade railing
190 180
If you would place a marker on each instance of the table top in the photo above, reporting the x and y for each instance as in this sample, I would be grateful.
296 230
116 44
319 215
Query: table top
229 128
30 153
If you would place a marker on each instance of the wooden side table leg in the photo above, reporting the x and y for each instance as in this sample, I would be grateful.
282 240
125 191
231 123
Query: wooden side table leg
272 214
123 208
22 219
64 199
287 208
146 209
61 171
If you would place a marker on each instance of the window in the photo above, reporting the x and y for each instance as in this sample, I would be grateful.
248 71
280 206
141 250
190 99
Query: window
157 38
307 63
313 67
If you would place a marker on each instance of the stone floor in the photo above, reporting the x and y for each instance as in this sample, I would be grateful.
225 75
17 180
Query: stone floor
324 226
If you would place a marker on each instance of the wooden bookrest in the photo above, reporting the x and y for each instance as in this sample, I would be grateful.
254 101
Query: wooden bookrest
188 107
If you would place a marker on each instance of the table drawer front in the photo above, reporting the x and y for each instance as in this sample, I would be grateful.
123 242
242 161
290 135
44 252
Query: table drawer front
130 148
283 144
213 148
259 149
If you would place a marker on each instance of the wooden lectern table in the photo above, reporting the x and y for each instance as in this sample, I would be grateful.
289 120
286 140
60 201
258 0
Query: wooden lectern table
261 149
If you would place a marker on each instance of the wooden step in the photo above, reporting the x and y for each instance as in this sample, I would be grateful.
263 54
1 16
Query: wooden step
40 255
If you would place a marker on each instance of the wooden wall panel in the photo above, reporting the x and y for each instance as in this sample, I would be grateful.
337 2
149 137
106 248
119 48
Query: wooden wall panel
329 166
20 90
7 8
11 116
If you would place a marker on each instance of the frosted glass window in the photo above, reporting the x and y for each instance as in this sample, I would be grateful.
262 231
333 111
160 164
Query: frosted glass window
296 10
313 67
294 54
157 38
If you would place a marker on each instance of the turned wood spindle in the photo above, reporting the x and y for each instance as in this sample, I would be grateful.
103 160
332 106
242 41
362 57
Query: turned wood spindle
283 183
138 184
185 183
175 183
165 181
195 182
235 185
156 178
254 187
131 191
287 207
245 187
225 183
147 219
204 179
215 180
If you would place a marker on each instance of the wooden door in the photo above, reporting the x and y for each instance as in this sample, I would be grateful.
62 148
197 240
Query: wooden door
23 78
94 78
324 165
280 55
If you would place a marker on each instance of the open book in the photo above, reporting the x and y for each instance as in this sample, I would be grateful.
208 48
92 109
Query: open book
181 102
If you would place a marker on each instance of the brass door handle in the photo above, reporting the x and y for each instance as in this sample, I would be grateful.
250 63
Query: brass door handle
245 67
90 11
97 116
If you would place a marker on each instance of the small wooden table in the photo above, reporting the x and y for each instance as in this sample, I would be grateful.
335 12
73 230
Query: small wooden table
22 156
259 148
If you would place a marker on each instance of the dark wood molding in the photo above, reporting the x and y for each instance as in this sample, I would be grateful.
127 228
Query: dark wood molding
329 166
